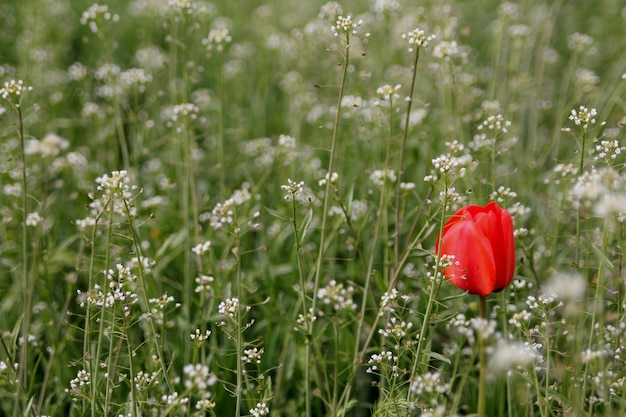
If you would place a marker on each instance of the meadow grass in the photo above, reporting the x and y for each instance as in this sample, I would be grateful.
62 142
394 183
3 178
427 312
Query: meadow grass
231 208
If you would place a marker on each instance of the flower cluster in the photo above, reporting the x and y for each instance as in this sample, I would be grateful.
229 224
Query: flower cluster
293 189
203 283
608 150
337 295
202 248
345 25
223 214
379 177
383 359
200 337
449 166
217 38
579 42
13 90
396 328
143 380
388 92
446 50
120 290
78 384
417 39
229 307
198 377
252 355
261 409
495 122
180 114
583 117
95 12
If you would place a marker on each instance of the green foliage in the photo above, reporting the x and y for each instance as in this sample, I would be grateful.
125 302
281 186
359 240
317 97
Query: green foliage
173 243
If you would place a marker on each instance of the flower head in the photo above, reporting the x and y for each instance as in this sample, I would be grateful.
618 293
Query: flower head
417 38
482 243
13 91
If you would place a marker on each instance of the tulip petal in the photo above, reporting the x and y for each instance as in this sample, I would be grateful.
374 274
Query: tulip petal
474 267
497 227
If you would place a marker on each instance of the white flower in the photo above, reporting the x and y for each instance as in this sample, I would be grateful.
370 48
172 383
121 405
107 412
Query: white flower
567 286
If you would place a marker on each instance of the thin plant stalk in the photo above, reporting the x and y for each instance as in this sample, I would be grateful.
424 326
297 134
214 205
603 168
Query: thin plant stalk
307 351
482 378
28 281
144 292
325 205
238 329
331 165
581 165
405 135
596 317
433 290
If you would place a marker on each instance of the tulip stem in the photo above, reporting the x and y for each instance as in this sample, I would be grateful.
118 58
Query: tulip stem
482 379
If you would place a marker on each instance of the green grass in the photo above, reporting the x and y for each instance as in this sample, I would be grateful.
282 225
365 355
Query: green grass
342 310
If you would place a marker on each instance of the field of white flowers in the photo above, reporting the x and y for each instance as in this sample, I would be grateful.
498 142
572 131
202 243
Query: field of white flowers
311 208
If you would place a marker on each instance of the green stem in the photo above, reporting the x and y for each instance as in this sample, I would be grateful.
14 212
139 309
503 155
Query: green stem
27 281
405 135
331 165
145 299
482 379
239 329
596 318
307 350
434 288
581 166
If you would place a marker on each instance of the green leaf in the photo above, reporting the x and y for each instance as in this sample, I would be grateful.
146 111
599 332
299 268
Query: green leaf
278 215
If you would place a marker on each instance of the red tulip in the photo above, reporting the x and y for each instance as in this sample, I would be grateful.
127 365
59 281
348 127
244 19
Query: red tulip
481 241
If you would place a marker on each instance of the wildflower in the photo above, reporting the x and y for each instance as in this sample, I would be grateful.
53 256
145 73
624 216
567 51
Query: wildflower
378 177
13 90
509 355
446 165
579 42
567 286
346 26
204 283
182 6
417 38
583 117
143 380
199 337
217 38
182 111
202 248
446 50
252 355
261 409
336 295
495 122
228 307
333 178
330 10
198 377
481 240
293 189
608 150
82 380
33 219
389 93
151 58
135 78
97 12
430 382
52 144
